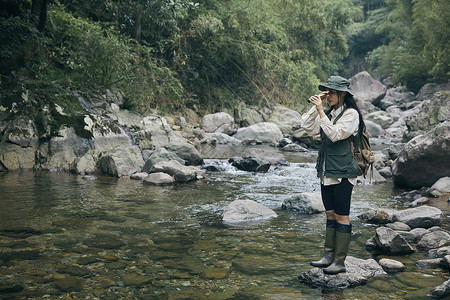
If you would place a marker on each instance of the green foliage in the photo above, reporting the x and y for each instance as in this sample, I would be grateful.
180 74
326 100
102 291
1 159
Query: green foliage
418 39
431 28
169 54
363 37
18 35
81 54
261 52
87 56
151 85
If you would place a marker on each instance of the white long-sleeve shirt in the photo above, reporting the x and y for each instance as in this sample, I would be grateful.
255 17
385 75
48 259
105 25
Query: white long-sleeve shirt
346 126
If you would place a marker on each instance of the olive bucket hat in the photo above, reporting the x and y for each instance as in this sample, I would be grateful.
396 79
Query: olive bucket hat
337 83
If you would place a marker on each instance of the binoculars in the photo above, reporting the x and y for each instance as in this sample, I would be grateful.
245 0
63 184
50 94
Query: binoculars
322 96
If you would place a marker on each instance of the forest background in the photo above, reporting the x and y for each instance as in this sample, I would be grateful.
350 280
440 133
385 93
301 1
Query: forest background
208 55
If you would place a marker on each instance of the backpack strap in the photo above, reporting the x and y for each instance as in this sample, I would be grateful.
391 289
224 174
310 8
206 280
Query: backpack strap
339 116
350 138
352 147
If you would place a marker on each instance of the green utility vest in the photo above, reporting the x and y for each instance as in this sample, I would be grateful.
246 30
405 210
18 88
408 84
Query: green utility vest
339 161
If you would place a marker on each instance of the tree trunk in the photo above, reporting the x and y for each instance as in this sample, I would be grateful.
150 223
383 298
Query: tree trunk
138 23
39 11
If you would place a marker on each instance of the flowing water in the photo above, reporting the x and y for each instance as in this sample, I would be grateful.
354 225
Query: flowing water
69 236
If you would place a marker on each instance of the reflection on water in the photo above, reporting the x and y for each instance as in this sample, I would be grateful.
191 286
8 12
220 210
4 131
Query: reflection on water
62 234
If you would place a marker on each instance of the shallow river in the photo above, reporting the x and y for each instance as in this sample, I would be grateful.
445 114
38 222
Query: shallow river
62 235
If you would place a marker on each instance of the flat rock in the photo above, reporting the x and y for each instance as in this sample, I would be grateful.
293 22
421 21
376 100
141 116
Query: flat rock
399 226
359 271
174 168
246 211
159 178
391 265
429 263
420 217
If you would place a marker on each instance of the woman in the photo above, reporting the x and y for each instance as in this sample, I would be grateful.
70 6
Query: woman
336 166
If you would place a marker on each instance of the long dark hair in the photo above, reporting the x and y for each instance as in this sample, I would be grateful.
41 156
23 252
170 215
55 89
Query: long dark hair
349 102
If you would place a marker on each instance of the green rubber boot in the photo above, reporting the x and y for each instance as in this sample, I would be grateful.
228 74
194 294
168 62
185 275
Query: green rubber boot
343 232
328 249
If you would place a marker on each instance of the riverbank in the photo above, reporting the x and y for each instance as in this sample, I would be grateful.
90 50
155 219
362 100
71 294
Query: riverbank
94 134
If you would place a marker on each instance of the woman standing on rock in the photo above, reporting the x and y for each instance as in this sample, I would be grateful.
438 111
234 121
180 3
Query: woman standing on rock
336 166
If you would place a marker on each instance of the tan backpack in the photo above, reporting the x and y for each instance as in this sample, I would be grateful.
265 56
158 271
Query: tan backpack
363 155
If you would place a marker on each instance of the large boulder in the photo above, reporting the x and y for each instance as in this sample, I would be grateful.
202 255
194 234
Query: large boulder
159 155
285 118
218 122
381 118
424 159
391 242
420 217
85 164
121 161
433 240
62 151
174 168
359 271
304 203
14 157
366 89
21 131
106 133
156 132
240 211
396 96
374 129
398 130
429 89
249 116
439 252
187 152
433 111
264 132
125 118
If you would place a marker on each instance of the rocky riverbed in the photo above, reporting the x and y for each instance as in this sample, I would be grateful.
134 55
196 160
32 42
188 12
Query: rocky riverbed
67 235
94 136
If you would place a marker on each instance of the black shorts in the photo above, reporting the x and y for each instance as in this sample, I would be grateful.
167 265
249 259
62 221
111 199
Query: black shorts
337 197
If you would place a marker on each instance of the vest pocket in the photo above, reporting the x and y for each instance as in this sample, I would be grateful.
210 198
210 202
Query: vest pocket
339 158
339 163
